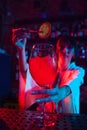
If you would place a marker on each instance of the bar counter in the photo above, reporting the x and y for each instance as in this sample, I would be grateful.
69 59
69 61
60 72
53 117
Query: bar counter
14 119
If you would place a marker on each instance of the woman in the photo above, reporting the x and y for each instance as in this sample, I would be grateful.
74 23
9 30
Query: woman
66 91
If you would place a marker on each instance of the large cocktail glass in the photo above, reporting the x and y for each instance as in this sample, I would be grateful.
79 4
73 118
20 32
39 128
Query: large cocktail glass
43 65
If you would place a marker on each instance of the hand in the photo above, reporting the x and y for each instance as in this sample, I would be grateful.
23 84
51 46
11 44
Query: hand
54 95
19 38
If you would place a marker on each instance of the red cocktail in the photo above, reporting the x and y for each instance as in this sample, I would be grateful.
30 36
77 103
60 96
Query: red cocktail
43 69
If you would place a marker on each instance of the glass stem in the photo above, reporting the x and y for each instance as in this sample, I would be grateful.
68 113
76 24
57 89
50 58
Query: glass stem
43 104
57 108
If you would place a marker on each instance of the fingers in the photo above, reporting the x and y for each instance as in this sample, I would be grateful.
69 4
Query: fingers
19 33
48 99
46 91
19 30
19 43
19 38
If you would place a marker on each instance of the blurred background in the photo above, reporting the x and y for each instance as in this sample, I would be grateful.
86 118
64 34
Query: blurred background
67 17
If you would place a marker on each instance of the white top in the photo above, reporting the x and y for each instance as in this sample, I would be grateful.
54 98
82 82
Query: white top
73 77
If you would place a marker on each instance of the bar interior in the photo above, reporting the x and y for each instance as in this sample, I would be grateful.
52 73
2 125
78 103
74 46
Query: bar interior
42 23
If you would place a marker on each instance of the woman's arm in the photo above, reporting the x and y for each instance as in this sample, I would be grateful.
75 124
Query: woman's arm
19 38
22 62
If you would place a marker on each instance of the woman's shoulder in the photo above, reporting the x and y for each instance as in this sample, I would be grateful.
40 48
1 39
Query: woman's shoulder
77 67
